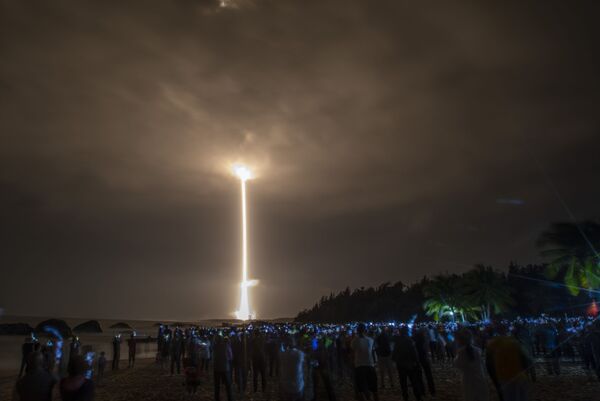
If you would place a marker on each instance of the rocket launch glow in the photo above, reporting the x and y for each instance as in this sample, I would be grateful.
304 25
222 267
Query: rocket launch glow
244 174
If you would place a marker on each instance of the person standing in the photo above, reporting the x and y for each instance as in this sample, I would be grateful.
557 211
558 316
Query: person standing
272 347
204 352
74 346
76 387
592 345
321 364
176 350
507 364
222 357
159 341
132 348
364 364
291 372
468 361
422 346
101 366
384 357
116 351
259 361
433 344
241 367
26 349
407 362
37 383
165 350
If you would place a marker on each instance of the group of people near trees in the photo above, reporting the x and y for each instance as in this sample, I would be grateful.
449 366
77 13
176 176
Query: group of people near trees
374 356
307 361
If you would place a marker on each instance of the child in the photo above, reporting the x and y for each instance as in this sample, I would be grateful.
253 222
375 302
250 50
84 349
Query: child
101 366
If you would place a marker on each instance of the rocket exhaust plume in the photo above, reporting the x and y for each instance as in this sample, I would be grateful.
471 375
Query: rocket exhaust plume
244 174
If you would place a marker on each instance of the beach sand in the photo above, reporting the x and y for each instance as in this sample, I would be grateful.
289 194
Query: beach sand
147 382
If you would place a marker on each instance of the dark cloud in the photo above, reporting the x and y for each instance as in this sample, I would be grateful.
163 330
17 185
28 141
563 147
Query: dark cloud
385 136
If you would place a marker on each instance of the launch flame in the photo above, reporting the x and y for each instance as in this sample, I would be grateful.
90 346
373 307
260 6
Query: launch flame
244 174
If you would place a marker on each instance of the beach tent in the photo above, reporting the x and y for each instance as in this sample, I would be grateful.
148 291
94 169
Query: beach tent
121 325
18 329
91 326
50 325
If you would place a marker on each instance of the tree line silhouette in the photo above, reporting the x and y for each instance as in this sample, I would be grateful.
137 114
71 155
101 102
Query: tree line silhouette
566 284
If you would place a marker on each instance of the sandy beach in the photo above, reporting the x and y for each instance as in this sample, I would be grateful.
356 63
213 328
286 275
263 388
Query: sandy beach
147 382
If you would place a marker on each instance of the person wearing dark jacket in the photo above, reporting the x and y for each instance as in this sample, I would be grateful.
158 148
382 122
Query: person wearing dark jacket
176 351
75 346
26 349
383 348
241 367
132 346
76 387
407 362
422 345
259 361
116 351
273 346
37 384
592 345
222 357
321 363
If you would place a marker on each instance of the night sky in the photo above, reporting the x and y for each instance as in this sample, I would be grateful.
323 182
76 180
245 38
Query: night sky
390 141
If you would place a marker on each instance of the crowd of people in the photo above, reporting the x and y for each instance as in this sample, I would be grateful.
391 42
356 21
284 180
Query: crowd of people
307 360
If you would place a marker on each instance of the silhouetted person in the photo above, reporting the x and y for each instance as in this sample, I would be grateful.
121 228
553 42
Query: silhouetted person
76 387
433 338
222 357
37 384
165 349
204 353
160 339
272 347
259 361
291 373
320 359
383 348
132 348
26 349
468 362
116 343
101 366
553 349
241 367
422 345
48 351
74 346
364 365
507 364
407 361
176 351
592 347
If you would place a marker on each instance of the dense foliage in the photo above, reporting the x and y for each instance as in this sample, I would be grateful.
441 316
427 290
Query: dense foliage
522 291
483 292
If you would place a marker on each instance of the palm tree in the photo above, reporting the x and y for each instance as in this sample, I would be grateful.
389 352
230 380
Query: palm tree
445 298
572 249
488 289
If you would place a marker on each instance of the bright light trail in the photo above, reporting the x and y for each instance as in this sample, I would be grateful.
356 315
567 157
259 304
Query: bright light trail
244 174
